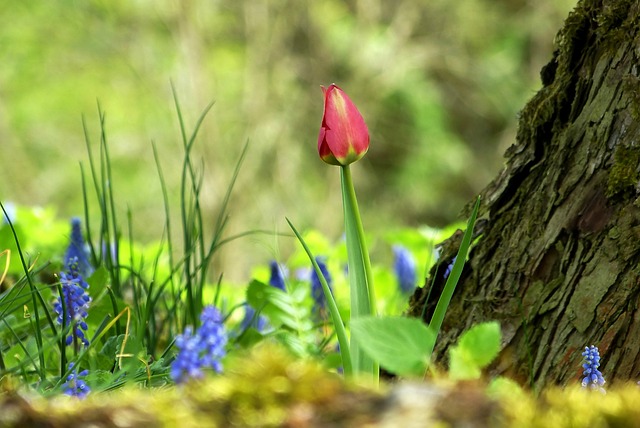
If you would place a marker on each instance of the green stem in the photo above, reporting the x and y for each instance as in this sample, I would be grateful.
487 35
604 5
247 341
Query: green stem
351 194
358 308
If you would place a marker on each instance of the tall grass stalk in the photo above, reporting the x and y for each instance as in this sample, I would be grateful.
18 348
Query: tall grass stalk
197 252
161 305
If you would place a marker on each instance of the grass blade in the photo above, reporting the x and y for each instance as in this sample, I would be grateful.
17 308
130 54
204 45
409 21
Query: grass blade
338 324
456 271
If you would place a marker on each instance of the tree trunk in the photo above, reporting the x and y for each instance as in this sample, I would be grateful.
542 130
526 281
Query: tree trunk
557 262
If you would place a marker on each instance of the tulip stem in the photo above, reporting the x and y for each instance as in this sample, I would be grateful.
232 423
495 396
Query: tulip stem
351 194
360 276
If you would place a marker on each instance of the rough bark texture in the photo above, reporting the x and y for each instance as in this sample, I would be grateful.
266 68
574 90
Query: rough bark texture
557 263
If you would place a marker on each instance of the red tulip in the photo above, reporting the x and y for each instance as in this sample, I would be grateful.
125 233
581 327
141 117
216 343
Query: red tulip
343 137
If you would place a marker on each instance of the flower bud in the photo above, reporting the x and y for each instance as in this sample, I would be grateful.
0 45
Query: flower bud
343 137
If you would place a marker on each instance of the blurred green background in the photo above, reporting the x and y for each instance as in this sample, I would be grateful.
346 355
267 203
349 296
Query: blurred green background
440 84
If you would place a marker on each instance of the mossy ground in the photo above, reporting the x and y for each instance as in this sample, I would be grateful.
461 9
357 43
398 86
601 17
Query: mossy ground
270 388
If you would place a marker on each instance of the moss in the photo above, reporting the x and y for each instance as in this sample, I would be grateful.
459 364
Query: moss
624 174
268 387
616 20
575 407
631 87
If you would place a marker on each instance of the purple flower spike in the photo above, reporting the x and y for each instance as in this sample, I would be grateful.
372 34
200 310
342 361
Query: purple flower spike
592 376
278 273
201 350
317 293
76 303
77 250
404 267
75 386
252 319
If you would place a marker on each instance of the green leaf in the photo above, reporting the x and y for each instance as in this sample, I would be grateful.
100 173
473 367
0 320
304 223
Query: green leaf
338 324
461 366
401 345
273 303
503 387
476 348
482 342
250 337
450 286
292 342
98 280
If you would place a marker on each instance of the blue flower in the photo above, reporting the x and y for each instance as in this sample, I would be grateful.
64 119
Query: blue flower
77 249
251 319
187 363
592 376
404 267
75 386
201 350
317 293
449 268
277 276
76 303
213 337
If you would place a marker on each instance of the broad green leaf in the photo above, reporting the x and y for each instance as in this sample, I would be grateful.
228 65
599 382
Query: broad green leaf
503 387
481 342
476 348
461 365
401 345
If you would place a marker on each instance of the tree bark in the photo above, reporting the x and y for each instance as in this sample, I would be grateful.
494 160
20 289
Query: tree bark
557 263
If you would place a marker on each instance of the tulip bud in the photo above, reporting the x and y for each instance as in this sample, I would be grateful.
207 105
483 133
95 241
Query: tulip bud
343 137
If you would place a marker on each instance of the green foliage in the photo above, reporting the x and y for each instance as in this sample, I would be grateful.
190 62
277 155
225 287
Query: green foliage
336 317
503 387
456 271
42 236
401 345
141 296
278 306
476 348
363 302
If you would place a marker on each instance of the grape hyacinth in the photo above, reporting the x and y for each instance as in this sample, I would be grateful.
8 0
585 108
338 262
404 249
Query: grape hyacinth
404 267
78 249
252 319
76 303
75 386
592 376
317 293
201 350
278 273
